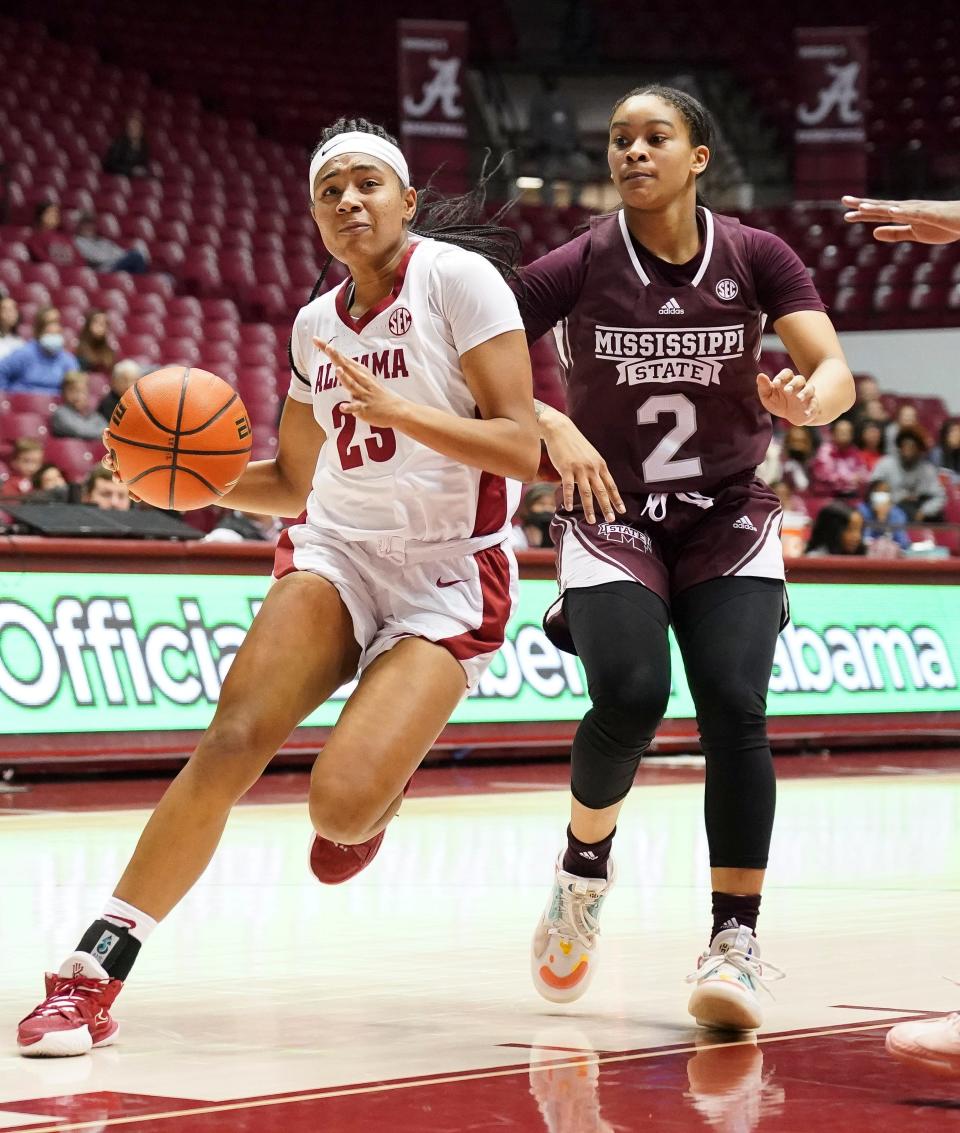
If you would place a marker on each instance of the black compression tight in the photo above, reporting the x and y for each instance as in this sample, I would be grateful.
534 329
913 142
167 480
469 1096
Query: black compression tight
727 630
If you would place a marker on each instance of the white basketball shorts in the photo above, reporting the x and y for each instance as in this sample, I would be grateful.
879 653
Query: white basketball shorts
461 602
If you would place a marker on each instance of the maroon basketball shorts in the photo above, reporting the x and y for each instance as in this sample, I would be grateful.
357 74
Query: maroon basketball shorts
669 542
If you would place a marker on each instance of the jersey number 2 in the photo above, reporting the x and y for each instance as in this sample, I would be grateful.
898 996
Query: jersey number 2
660 464
380 446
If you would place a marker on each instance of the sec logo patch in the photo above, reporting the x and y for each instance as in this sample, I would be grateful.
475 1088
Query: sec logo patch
400 321
727 289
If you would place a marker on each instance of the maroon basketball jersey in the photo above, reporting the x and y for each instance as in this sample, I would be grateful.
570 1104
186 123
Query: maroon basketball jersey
662 379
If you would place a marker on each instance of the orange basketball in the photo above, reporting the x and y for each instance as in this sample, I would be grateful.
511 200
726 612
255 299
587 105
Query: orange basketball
180 438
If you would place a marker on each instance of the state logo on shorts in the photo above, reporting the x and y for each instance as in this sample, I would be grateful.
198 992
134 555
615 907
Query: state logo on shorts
727 289
400 321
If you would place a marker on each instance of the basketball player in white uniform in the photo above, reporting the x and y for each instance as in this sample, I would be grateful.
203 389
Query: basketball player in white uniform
930 1043
410 416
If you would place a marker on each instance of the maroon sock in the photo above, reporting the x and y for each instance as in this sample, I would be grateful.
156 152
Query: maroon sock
587 859
733 910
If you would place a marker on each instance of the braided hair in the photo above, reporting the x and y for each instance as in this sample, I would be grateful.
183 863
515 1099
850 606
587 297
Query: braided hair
459 220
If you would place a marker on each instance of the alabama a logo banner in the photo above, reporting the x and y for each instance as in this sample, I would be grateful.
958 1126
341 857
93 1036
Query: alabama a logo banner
433 127
830 111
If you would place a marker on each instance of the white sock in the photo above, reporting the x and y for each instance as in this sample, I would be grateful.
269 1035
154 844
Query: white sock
139 923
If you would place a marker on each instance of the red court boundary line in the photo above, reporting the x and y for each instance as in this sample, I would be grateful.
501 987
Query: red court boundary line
271 1100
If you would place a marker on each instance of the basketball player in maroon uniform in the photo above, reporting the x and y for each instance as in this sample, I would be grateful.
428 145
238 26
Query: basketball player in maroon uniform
658 311
930 1043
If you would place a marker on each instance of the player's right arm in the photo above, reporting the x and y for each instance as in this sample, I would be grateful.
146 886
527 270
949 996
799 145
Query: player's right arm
922 222
550 287
280 486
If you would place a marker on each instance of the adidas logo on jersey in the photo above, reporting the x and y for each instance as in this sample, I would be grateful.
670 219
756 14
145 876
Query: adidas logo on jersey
671 307
744 524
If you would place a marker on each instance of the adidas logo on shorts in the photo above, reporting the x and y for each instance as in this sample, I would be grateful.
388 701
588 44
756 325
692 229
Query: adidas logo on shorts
744 524
671 307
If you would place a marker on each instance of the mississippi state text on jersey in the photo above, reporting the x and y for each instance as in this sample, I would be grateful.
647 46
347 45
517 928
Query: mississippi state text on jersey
661 377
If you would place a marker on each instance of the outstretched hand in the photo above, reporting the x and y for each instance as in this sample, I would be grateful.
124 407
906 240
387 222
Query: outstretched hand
789 396
923 222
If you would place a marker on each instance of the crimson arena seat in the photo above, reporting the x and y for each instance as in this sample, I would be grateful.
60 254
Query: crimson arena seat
23 423
179 351
143 347
76 458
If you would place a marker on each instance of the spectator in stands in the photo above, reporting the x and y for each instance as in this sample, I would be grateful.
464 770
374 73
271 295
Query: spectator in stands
24 463
554 141
103 254
913 480
795 521
873 410
49 483
94 348
839 469
837 530
867 390
933 1041
100 490
48 243
789 500
947 453
76 417
129 153
532 523
798 448
868 436
122 377
882 517
39 365
245 526
906 418
10 339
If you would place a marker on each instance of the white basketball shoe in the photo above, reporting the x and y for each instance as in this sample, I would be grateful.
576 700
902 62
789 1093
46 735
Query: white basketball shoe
727 979
565 949
930 1044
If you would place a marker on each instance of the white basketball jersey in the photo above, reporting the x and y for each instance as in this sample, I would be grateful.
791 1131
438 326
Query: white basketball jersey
372 482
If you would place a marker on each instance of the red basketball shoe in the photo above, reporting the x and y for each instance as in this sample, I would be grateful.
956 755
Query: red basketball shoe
75 1016
333 863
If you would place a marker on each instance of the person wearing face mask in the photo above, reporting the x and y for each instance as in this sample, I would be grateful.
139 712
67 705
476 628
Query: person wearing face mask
536 514
39 365
882 518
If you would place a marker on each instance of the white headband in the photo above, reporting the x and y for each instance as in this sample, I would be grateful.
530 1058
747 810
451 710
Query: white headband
356 142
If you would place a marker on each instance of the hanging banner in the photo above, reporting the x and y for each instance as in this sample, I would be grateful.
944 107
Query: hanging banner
830 119
433 126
